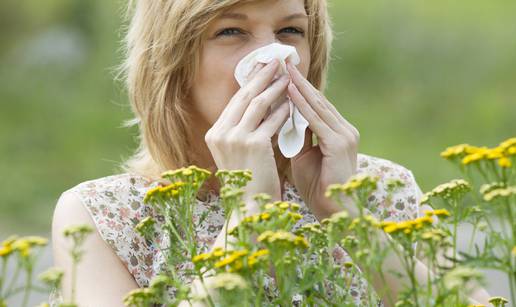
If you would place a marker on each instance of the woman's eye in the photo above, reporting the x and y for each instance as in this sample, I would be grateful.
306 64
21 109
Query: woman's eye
236 31
296 31
228 32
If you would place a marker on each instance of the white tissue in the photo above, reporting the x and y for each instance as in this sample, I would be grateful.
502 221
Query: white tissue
292 135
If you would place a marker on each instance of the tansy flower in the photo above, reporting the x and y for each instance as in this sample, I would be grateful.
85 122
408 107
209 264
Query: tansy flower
52 277
77 230
354 183
509 143
6 247
477 154
145 227
22 246
434 234
494 153
499 193
234 178
283 237
438 212
189 174
405 226
488 187
514 251
257 256
311 227
498 301
233 260
139 297
456 151
228 281
218 252
172 190
504 162
456 187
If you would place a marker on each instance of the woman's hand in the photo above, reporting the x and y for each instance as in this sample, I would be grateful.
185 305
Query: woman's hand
239 139
333 159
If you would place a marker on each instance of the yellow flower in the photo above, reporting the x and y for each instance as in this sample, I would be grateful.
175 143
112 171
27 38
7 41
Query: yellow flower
23 246
508 143
504 162
438 212
283 237
257 256
36 241
232 259
6 246
201 257
477 154
494 153
355 182
514 251
455 151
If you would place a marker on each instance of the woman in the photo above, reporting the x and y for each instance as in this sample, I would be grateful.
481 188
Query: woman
190 110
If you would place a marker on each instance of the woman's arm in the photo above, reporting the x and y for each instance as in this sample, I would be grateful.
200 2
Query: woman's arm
102 279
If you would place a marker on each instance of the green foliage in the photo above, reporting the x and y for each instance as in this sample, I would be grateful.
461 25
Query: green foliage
407 74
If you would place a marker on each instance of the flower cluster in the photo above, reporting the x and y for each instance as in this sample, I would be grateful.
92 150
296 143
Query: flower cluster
283 239
454 189
169 191
469 154
496 194
191 174
354 183
23 245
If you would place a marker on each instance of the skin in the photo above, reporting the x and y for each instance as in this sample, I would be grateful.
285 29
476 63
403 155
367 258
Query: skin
226 42
236 128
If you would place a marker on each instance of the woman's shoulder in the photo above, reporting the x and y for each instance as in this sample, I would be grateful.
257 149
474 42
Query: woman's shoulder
115 205
403 203
381 166
124 189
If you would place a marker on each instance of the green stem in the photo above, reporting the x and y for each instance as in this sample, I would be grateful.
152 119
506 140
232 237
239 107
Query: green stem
455 222
13 281
472 239
2 274
74 276
210 301
27 287
512 283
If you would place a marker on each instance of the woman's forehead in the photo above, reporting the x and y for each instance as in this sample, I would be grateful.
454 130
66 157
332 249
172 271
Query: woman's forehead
248 9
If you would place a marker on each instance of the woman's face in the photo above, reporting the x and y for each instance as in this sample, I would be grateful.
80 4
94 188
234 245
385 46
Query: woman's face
233 35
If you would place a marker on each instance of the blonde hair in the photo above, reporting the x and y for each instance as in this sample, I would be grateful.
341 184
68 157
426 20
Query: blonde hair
162 47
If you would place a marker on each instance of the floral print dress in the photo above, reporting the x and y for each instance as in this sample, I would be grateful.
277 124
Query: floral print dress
115 204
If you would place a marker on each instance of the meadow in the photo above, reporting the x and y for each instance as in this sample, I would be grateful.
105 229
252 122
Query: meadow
414 77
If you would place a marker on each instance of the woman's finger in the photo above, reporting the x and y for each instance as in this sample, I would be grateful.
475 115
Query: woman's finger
315 122
274 121
260 104
319 103
232 114
253 72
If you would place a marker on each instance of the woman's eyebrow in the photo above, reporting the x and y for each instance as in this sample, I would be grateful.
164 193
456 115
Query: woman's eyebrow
240 16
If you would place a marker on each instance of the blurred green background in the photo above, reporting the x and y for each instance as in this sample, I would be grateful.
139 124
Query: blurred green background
413 76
